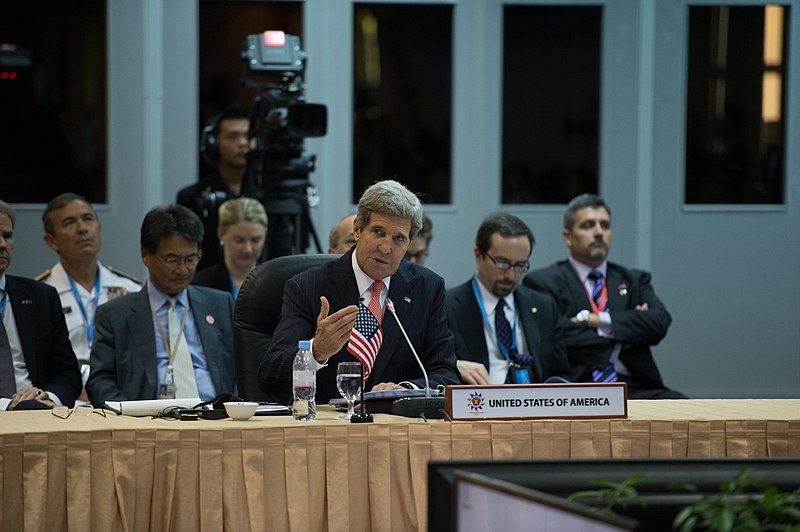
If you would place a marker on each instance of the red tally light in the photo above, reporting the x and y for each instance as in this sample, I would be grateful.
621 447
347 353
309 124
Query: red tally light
274 38
13 75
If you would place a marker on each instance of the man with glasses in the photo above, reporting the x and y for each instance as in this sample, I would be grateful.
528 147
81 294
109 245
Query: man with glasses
170 339
417 251
505 333
614 313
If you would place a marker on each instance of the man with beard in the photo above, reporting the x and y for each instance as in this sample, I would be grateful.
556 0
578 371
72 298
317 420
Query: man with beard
615 315
504 332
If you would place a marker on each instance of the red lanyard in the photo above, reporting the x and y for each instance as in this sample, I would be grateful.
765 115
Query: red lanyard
603 298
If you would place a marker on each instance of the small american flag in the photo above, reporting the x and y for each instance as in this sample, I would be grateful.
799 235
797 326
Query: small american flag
365 338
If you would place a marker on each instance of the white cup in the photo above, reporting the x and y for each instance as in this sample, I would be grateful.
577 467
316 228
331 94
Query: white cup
240 410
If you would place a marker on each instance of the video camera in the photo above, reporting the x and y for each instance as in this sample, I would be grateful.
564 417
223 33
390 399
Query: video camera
280 121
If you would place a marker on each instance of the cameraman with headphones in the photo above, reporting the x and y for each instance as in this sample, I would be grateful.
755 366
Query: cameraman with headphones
224 145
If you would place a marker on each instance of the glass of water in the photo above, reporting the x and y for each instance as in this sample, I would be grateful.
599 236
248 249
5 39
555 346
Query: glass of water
348 382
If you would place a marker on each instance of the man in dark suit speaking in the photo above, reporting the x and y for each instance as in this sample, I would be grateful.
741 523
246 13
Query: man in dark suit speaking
615 315
323 304
504 332
170 339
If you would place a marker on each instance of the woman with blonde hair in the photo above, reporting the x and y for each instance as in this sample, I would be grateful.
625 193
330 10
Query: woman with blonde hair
241 231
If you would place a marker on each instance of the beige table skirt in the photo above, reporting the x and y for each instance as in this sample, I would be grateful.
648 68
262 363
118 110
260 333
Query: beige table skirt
88 472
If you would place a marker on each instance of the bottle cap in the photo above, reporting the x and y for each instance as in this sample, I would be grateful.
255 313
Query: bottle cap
304 344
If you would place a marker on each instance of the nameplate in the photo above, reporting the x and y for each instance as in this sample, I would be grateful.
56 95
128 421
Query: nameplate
530 401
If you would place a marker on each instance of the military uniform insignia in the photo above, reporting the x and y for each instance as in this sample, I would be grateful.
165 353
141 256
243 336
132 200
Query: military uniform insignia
116 291
123 274
44 275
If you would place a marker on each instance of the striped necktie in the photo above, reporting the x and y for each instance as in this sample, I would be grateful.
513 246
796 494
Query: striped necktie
597 278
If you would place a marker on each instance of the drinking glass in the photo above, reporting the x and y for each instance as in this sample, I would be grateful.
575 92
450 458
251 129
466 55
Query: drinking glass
348 382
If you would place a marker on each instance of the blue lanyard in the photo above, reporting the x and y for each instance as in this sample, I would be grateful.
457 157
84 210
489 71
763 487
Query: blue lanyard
89 323
3 302
503 349
234 289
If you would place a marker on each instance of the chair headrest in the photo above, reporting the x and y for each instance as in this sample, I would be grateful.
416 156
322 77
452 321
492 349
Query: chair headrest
258 306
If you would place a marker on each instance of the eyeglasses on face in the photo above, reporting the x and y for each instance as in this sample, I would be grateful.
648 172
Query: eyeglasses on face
174 261
502 264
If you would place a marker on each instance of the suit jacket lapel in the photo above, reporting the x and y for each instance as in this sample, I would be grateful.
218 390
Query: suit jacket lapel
472 327
140 325
615 283
24 305
342 280
199 304
576 289
527 316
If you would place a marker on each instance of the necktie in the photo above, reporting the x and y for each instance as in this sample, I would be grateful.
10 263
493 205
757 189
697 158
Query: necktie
185 383
505 337
597 278
367 335
375 300
608 373
8 383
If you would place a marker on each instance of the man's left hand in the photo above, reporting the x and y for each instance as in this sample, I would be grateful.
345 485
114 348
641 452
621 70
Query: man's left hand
28 394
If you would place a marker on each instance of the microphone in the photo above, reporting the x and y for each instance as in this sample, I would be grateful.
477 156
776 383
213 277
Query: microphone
430 407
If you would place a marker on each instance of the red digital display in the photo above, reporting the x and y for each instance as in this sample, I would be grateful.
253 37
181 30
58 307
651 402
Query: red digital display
274 38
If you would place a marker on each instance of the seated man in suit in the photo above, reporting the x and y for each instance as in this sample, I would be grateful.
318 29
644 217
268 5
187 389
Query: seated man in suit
615 315
504 332
170 339
38 368
322 304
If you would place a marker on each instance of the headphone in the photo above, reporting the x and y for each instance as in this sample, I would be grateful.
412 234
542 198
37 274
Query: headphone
209 148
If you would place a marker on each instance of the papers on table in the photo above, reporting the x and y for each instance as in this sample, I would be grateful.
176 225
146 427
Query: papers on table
149 408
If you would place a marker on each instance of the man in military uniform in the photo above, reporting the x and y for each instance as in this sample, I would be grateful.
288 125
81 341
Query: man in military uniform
72 229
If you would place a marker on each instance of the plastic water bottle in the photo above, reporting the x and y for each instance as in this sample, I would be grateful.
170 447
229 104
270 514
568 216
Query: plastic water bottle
304 383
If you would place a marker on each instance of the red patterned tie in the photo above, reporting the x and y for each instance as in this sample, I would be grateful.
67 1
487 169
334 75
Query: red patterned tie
375 302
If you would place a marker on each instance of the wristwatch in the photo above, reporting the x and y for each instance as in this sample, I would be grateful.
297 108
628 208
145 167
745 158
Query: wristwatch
583 317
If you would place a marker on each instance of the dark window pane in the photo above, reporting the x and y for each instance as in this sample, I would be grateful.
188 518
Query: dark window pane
735 104
403 86
53 100
551 95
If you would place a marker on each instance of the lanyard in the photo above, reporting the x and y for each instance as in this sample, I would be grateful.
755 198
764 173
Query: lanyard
596 308
503 349
234 288
75 292
3 302
164 339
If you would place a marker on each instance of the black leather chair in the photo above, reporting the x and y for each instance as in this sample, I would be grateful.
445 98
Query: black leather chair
257 312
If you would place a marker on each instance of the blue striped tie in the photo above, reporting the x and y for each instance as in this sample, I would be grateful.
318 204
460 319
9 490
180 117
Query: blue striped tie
608 373
596 277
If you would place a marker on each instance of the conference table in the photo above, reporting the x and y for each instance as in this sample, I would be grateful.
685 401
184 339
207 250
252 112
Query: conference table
95 472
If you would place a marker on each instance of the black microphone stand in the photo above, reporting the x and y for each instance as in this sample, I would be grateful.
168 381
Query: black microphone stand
362 416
